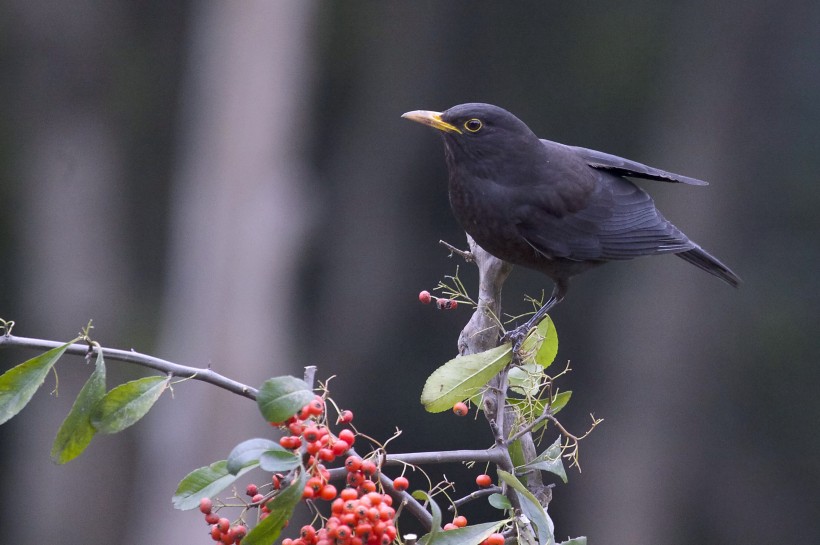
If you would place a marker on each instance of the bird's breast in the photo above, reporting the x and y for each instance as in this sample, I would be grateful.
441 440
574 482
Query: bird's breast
482 209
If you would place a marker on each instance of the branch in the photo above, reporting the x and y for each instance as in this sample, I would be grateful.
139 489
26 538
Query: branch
131 356
493 455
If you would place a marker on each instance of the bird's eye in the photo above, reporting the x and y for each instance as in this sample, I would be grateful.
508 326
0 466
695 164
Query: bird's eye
473 125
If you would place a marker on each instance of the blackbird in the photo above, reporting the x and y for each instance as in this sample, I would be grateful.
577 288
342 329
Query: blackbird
554 208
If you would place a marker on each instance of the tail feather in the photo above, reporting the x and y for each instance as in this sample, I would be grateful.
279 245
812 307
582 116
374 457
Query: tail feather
704 260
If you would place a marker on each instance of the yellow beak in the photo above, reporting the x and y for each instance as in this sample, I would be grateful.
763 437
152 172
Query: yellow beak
431 119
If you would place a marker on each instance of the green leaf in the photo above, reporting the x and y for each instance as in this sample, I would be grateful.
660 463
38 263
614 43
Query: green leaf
500 501
279 460
535 408
248 452
281 509
126 404
531 508
205 482
18 384
517 453
462 377
542 343
526 379
575 541
559 401
468 535
421 495
281 397
76 431
550 460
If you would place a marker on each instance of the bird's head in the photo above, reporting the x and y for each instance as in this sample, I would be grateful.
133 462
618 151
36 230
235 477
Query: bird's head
481 135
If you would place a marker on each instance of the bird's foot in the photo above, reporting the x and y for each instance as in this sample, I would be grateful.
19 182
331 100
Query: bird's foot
516 336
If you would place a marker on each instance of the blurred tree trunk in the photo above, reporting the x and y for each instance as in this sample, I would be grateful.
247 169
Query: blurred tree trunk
661 469
239 215
71 265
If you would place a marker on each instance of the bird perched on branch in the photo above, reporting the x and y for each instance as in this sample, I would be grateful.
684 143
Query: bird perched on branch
550 207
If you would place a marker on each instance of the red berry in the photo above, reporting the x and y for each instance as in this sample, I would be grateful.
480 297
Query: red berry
494 539
369 468
238 532
425 297
450 526
316 484
401 483
308 532
223 524
211 518
252 490
461 408
349 494
355 478
483 480
328 492
205 505
326 455
257 498
345 417
311 434
353 463
460 521
453 304
348 436
216 533
340 447
363 530
317 406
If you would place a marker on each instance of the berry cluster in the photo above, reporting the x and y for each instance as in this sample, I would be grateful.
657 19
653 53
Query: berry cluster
441 303
221 528
357 518
360 515
308 428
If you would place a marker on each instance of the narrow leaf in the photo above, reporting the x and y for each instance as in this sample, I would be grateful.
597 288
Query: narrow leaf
279 460
575 541
281 397
204 482
560 400
536 407
247 452
76 431
18 384
542 343
526 379
436 522
468 535
126 404
550 460
532 508
462 377
281 509
517 453
500 501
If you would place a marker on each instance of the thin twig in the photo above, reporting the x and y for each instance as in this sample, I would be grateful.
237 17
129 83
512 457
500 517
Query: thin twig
144 360
478 494
464 254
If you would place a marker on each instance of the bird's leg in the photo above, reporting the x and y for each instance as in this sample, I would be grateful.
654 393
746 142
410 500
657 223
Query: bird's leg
517 335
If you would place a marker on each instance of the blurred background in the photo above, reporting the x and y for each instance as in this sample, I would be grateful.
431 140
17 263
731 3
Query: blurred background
230 184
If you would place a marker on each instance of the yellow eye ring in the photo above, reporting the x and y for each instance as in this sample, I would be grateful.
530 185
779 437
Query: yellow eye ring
473 125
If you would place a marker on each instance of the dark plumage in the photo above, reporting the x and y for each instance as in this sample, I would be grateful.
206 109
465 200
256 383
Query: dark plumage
554 208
